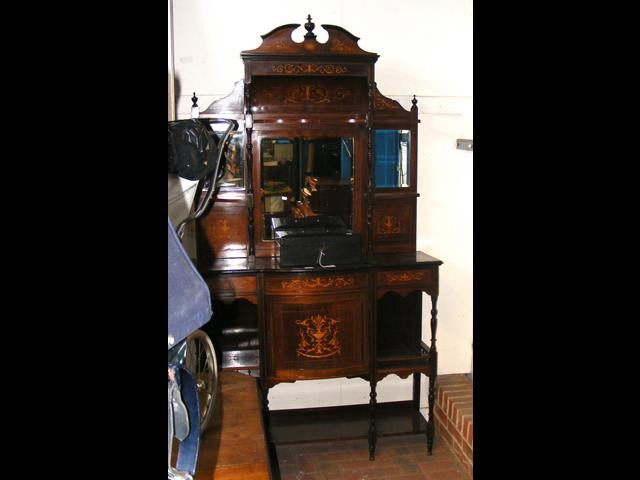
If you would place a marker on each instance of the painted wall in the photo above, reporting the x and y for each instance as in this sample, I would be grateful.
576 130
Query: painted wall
180 191
425 48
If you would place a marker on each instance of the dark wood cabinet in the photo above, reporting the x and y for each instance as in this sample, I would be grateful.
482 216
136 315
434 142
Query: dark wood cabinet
314 130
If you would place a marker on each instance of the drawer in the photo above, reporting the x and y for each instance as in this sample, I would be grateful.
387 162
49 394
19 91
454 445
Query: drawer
315 283
422 279
233 285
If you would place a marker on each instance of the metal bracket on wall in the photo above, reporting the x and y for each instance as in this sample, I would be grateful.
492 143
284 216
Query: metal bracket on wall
464 144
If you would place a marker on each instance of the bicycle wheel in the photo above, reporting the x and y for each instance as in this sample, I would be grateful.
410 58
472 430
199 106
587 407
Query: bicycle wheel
200 359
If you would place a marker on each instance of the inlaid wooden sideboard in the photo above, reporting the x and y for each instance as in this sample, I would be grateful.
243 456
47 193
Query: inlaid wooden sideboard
316 137
361 320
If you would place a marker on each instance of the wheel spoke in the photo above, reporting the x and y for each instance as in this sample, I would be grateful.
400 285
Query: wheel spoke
201 362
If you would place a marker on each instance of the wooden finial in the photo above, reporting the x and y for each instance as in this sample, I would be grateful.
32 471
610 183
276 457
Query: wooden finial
309 27
195 110
414 102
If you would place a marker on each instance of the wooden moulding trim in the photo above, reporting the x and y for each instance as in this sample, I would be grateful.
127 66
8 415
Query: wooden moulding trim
232 104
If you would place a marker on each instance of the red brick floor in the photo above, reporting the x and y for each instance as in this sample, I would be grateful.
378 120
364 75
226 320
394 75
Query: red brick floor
397 458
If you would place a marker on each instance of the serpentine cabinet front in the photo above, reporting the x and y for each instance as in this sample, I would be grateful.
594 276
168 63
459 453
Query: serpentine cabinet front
317 325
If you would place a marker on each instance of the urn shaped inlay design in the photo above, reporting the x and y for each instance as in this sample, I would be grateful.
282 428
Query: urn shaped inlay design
318 337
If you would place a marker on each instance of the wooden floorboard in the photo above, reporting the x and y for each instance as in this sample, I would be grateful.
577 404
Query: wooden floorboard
233 447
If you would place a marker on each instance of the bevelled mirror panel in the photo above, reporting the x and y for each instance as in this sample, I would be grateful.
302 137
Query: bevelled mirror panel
392 151
306 177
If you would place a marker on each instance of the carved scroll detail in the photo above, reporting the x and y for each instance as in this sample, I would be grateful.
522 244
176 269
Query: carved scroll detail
318 282
403 277
318 337
389 225
327 69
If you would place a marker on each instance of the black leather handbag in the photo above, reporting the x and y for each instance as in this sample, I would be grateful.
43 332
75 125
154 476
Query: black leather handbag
193 149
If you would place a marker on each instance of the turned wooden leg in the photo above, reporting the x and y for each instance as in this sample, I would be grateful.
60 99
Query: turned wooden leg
265 403
416 391
434 373
430 425
373 436
271 446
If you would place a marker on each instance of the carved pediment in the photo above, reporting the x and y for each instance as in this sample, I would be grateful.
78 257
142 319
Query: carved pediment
279 42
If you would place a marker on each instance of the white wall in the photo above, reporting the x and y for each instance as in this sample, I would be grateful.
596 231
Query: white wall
425 48
180 192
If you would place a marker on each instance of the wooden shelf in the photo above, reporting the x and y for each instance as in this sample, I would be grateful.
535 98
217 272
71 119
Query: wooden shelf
248 359
343 423
402 358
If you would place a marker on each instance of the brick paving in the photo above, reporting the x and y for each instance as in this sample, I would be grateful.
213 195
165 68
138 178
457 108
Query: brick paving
397 458
453 416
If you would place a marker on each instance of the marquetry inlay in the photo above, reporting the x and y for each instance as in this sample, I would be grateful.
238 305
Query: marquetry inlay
318 337
318 282
224 226
383 103
389 225
225 229
327 69
403 277
307 92
338 46
314 93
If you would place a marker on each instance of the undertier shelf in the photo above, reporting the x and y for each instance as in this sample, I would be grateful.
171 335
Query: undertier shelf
344 423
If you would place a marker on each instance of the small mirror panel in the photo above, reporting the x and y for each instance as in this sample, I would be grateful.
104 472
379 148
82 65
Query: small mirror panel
392 150
233 162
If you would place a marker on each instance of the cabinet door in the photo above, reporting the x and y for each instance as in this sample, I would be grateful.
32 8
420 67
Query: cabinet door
394 225
317 336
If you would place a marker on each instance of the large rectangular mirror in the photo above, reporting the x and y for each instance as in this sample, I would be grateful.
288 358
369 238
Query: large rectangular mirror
392 150
305 177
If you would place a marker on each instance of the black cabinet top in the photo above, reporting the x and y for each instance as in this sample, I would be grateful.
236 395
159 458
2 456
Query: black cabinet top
270 264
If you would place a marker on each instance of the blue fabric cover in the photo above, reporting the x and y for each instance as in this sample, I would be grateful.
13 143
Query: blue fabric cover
189 298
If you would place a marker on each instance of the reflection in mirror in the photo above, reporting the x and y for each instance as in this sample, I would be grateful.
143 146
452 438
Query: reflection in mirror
234 157
392 148
306 177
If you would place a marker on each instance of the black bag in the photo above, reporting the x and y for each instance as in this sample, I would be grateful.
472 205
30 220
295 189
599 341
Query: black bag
303 239
283 226
304 250
193 149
